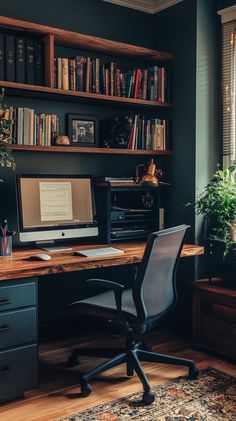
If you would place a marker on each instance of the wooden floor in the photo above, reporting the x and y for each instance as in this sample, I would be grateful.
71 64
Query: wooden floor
59 393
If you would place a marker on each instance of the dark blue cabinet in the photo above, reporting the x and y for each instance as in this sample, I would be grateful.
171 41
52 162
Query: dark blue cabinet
18 338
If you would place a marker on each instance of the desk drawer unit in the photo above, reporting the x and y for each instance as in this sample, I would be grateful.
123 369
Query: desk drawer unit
17 327
18 337
214 317
18 372
17 295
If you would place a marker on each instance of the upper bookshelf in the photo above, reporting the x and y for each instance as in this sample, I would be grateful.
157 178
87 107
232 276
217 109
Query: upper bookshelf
51 36
86 42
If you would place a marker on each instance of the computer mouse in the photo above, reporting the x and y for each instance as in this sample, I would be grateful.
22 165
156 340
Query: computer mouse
40 256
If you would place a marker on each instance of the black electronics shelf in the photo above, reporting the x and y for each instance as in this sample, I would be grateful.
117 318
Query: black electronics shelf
126 212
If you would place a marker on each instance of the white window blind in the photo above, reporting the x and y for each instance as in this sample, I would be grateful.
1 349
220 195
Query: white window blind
229 89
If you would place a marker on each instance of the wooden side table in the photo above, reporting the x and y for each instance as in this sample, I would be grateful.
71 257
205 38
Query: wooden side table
214 317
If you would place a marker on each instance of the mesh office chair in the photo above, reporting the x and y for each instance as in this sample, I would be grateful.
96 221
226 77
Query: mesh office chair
137 310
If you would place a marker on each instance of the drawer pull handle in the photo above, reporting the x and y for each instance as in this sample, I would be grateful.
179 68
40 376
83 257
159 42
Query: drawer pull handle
4 370
6 301
4 328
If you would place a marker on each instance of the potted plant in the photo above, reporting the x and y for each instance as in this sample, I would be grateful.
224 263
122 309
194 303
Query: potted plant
218 204
6 157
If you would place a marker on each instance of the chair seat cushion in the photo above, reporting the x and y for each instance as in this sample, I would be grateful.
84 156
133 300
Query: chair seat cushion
104 305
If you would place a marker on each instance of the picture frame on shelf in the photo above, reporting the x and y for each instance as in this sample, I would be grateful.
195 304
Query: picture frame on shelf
83 130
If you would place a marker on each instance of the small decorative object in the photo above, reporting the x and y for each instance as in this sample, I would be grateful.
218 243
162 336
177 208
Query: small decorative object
83 130
116 132
62 141
148 200
218 204
6 157
150 176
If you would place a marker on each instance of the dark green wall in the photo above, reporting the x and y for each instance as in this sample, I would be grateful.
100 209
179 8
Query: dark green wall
182 29
222 4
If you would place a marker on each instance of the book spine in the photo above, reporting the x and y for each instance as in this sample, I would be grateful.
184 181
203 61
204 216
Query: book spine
112 69
144 84
79 73
30 61
72 74
118 83
26 126
20 60
55 73
137 78
10 58
97 75
155 83
2 57
107 80
39 63
65 73
88 75
19 136
31 127
103 79
93 74
59 73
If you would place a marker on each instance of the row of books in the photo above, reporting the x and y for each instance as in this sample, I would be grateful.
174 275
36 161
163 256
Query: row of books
21 60
91 75
136 132
31 128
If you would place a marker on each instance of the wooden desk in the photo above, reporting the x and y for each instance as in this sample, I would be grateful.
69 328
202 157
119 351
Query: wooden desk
19 266
19 308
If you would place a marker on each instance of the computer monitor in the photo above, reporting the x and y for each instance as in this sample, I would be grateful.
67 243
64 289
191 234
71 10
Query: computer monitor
55 208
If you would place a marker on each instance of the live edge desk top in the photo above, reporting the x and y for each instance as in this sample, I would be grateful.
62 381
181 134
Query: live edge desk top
19 266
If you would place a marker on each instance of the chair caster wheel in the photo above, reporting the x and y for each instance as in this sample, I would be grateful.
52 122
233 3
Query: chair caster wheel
193 373
72 361
148 397
86 389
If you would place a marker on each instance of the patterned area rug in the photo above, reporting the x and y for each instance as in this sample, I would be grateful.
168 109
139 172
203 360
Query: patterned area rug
210 398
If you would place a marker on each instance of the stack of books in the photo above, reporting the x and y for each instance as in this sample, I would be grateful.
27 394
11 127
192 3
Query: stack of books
31 128
89 74
136 132
21 60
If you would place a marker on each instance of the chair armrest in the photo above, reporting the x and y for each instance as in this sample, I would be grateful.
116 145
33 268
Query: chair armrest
114 286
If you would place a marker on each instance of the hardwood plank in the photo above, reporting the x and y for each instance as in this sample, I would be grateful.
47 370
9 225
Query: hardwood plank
87 42
40 91
83 150
19 266
54 397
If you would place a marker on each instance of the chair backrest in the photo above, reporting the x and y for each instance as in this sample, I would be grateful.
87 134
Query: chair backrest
154 291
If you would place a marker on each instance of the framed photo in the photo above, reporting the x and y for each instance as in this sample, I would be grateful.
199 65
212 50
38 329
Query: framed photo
83 130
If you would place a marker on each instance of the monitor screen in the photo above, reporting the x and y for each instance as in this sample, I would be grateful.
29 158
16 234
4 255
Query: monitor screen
55 207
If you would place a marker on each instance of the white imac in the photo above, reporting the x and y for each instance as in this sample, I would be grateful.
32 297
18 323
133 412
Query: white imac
54 208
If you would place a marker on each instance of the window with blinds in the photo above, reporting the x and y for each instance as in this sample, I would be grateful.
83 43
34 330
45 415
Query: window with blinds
229 89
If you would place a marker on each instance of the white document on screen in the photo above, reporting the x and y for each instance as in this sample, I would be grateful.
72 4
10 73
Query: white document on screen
55 201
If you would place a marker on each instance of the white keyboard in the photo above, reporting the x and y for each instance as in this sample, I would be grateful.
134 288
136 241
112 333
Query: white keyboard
98 252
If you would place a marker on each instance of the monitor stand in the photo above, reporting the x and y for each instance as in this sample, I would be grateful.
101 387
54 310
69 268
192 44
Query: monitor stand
51 246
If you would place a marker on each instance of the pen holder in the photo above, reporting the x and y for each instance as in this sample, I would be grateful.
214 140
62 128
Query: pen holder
6 246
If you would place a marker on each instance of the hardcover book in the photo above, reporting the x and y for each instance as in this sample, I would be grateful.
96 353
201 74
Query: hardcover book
20 60
30 61
10 58
39 64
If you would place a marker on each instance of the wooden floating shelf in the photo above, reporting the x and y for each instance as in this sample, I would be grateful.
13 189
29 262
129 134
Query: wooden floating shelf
85 150
13 87
87 42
